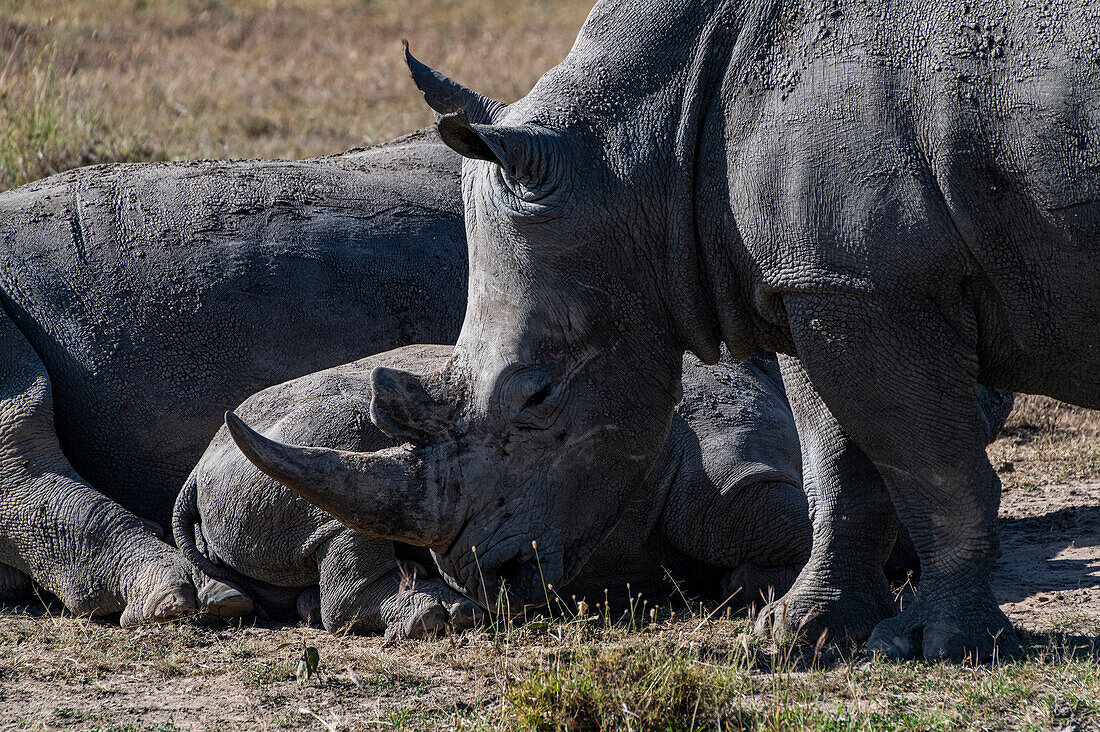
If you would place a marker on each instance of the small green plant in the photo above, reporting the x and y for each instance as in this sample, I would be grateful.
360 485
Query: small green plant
39 127
267 672
44 127
307 664
67 716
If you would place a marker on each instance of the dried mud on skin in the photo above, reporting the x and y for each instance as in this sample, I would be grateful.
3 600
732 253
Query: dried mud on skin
66 673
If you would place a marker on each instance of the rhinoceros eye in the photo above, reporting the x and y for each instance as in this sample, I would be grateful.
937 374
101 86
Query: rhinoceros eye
537 398
527 398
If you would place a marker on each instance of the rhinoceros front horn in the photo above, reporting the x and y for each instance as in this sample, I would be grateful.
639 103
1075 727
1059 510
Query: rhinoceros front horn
383 494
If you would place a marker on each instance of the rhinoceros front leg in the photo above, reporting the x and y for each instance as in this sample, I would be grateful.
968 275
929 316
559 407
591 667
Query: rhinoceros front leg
363 588
901 383
841 587
94 555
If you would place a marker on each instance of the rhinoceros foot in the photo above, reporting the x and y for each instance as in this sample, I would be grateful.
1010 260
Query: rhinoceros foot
157 595
815 605
309 606
424 618
956 629
161 605
224 600
426 608
464 615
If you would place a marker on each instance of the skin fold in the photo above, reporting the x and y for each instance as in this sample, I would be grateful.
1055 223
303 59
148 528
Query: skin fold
899 198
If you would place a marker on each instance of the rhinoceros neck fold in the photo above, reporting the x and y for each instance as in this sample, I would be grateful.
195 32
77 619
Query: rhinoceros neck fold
654 74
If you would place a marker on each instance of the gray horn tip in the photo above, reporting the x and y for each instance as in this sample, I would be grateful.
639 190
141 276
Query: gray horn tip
247 439
235 423
414 64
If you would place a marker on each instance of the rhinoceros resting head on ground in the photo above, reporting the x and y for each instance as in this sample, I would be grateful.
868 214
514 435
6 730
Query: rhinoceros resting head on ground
236 523
722 512
721 516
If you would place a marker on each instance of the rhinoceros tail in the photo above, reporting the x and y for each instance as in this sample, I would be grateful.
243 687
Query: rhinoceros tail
185 517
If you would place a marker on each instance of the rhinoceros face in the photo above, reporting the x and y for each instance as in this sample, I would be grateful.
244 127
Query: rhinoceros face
524 446
558 405
563 382
561 388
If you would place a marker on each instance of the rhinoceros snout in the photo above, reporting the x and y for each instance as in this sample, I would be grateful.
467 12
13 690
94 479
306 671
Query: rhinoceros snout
510 577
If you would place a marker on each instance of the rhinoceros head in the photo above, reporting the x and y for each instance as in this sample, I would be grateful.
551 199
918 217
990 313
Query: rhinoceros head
561 388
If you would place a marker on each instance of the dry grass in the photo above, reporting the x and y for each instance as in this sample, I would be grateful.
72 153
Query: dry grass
680 671
672 673
93 80
1045 442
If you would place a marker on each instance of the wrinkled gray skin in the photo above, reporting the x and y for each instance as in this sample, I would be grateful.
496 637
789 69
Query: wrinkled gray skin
293 557
900 197
142 301
722 510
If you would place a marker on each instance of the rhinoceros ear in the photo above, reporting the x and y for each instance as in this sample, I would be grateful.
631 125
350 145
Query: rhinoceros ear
402 408
529 155
446 96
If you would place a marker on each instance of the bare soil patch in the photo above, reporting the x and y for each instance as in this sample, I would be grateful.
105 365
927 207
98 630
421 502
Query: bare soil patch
1048 577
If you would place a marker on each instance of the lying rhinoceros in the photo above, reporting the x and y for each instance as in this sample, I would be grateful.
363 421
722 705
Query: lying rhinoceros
142 301
723 510
724 506
289 555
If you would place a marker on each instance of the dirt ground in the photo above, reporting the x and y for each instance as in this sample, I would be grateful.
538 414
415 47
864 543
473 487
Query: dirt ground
59 672
85 81
1049 573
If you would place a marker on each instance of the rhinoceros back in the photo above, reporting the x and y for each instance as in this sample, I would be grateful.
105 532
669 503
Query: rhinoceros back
160 295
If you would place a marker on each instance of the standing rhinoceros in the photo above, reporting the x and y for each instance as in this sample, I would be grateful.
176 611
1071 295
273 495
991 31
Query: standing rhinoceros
142 301
902 195
723 507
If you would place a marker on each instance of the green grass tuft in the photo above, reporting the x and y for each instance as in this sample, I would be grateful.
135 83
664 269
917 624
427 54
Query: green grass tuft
43 130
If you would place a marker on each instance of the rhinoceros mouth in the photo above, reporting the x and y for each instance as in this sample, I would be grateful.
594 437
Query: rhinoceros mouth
509 575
